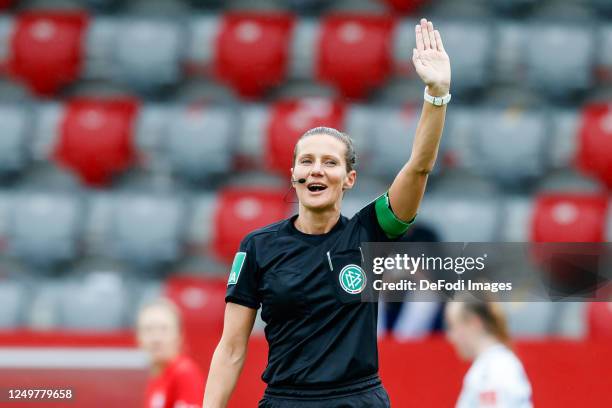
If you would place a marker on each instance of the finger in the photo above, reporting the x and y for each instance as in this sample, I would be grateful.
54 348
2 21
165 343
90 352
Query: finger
419 37
424 30
439 40
432 37
415 59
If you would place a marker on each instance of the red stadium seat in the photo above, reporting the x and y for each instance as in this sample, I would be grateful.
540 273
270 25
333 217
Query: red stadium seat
354 52
47 48
404 6
252 50
567 217
290 119
240 211
201 302
595 142
4 4
96 138
599 317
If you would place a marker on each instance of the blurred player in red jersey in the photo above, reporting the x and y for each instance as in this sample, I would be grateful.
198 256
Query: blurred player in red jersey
175 381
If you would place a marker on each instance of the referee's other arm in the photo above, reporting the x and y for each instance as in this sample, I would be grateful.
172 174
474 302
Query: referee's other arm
229 356
433 66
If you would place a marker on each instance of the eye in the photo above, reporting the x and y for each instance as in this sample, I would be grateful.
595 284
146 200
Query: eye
305 161
330 163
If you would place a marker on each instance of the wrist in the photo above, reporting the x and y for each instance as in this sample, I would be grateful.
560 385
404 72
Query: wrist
438 89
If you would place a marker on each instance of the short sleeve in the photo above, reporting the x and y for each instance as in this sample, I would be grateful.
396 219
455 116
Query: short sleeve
380 222
243 280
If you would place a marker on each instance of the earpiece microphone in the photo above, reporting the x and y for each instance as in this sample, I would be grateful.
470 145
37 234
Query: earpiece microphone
301 181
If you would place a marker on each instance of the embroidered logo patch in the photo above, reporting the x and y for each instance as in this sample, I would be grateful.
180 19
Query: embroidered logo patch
236 268
352 279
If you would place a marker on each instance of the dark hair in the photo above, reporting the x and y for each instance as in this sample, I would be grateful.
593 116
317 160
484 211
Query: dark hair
492 318
350 156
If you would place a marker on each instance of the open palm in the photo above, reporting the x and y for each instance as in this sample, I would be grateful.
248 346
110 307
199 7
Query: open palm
430 60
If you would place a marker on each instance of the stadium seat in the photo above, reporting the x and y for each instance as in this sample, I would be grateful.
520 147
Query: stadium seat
7 26
201 301
199 141
604 54
560 58
405 6
392 139
563 140
43 308
599 315
453 217
603 6
201 223
594 152
96 302
100 42
354 52
505 7
510 145
252 50
96 139
242 210
146 67
517 212
471 65
569 217
47 48
5 4
509 52
289 119
530 319
146 230
12 301
14 127
45 228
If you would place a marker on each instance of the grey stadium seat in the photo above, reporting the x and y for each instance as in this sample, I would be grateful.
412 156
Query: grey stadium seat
604 54
461 219
12 296
199 141
391 140
99 301
145 229
513 6
45 228
511 145
560 58
14 127
471 65
148 52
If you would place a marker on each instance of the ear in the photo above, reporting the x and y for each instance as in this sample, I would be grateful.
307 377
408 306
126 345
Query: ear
349 180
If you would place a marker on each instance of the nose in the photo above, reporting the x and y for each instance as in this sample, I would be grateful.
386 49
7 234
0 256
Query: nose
316 169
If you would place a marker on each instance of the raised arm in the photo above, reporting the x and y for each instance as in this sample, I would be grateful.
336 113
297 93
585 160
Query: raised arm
433 66
229 356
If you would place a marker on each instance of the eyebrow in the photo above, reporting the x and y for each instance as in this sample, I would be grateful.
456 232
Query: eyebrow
326 155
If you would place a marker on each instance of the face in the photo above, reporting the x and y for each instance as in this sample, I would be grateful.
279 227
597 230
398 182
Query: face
159 334
320 159
461 330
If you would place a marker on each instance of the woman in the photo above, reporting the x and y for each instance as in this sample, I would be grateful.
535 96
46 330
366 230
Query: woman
496 378
305 271
176 381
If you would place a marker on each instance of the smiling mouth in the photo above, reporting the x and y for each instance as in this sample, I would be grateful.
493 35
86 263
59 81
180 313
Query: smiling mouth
316 187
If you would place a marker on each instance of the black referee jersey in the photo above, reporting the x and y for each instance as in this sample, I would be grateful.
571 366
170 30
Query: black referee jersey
322 338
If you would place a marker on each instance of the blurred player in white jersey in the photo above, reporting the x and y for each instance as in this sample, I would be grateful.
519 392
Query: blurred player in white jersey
496 378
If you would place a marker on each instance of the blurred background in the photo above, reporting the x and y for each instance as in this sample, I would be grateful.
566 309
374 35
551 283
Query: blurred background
140 140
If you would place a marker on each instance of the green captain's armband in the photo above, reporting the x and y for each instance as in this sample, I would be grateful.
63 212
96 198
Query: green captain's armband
390 224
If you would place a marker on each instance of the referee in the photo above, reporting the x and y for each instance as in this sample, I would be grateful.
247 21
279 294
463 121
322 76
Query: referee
305 274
